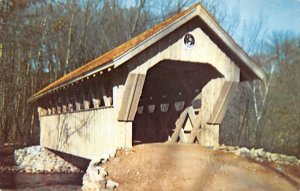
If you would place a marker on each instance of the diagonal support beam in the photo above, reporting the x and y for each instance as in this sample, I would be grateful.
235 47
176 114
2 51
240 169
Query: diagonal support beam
222 102
132 93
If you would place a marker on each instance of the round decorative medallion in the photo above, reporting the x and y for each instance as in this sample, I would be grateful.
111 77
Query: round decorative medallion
189 40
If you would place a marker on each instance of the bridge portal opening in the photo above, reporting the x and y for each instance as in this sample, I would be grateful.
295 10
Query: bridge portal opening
170 87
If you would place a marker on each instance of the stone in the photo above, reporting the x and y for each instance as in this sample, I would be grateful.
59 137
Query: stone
266 155
269 159
222 147
259 159
111 184
291 159
28 170
259 152
96 173
279 162
244 151
283 156
274 156
40 165
253 154
97 161
93 186
40 160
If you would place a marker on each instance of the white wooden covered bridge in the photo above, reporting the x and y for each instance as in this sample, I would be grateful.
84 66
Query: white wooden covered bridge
170 83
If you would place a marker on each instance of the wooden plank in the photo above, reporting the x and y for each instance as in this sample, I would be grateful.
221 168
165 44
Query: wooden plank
68 101
179 123
222 102
93 93
127 97
42 111
133 90
128 135
195 119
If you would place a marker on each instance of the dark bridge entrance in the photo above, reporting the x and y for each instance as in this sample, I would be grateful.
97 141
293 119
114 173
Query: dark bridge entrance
170 87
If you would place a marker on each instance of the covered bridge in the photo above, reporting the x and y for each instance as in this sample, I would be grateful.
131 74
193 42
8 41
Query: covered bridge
170 83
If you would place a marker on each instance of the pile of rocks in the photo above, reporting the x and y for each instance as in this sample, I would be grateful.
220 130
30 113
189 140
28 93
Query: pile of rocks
261 155
95 176
36 159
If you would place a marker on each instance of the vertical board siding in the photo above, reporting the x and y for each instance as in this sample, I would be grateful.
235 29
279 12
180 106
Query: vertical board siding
86 134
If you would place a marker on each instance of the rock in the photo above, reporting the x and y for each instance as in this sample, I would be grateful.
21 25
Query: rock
94 178
259 159
279 162
282 156
111 184
244 151
259 152
40 165
28 170
274 156
291 159
269 159
253 154
93 186
94 174
266 156
97 161
222 147
41 160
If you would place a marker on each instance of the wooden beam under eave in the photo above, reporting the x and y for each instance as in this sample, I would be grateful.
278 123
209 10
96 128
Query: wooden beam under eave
85 100
222 102
96 101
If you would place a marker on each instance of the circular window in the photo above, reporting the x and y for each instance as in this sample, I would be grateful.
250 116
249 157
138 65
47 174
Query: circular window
189 40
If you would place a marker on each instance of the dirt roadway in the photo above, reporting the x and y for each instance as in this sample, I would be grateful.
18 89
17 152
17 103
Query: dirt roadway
192 167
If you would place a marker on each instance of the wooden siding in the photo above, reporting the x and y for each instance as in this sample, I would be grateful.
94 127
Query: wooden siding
87 134
205 51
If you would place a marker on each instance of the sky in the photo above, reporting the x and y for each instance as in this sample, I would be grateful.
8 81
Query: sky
273 15
276 15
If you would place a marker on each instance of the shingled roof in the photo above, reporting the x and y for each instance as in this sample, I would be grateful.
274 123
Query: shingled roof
108 59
